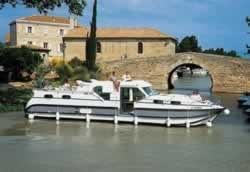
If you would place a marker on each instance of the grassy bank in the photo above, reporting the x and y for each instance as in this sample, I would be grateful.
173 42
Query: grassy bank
14 99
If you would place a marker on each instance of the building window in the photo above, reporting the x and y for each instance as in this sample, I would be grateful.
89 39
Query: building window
61 32
99 47
61 48
29 29
140 48
45 45
30 43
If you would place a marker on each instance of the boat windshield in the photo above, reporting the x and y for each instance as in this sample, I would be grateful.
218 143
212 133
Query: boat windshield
150 91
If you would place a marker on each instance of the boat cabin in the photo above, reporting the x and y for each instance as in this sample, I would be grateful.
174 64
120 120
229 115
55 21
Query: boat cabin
128 92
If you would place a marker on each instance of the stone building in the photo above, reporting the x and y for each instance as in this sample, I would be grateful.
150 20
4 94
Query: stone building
43 32
120 43
57 36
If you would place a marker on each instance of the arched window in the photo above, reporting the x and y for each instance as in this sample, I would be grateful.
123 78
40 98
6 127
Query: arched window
98 47
140 48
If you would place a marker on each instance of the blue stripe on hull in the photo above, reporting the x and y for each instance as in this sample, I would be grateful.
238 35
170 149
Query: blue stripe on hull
175 113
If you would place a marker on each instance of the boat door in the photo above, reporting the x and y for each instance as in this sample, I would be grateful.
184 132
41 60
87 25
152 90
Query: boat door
128 97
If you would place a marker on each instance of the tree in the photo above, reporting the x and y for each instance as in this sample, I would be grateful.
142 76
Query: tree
221 51
43 6
21 59
91 41
189 44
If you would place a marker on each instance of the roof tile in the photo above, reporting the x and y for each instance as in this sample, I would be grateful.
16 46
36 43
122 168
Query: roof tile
82 32
47 19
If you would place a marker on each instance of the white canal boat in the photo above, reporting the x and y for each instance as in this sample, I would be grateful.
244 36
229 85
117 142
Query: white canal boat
134 102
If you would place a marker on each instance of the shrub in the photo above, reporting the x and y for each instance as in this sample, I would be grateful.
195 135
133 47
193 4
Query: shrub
40 73
75 62
55 61
81 73
65 71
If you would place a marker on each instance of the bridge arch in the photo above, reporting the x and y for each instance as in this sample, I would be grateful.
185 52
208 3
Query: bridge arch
191 65
227 74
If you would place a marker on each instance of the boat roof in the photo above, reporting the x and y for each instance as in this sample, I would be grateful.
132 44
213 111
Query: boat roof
131 83
135 83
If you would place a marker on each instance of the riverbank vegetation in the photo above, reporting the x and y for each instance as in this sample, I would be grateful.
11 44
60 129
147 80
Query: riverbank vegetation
51 75
191 44
14 99
18 63
58 71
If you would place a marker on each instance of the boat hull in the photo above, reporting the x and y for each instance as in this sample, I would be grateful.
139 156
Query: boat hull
166 117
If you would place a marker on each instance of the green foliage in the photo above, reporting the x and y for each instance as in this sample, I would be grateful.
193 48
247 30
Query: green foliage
221 51
81 73
75 62
189 44
91 41
14 99
65 71
19 59
40 73
75 6
72 71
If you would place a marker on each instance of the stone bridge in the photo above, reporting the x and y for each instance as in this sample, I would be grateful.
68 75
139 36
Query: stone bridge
227 74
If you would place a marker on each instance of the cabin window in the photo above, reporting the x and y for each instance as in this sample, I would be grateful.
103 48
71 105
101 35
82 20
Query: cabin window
137 94
98 47
140 48
98 90
48 96
158 102
175 102
66 97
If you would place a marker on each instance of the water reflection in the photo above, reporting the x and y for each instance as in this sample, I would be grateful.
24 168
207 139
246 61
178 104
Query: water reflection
81 132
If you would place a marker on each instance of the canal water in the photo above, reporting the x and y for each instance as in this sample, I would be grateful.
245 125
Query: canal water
44 145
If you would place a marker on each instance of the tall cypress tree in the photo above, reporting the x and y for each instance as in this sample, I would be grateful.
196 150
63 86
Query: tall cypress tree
91 41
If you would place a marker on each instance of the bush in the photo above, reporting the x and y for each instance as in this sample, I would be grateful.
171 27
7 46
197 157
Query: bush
40 73
65 71
75 62
56 61
81 73
14 99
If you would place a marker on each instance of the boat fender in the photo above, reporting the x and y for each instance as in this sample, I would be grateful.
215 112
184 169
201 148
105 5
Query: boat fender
227 112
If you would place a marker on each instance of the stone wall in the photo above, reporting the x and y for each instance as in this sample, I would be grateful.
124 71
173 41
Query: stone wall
75 48
115 49
228 74
41 32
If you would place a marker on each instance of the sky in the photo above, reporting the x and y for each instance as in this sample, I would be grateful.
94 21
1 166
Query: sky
216 23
